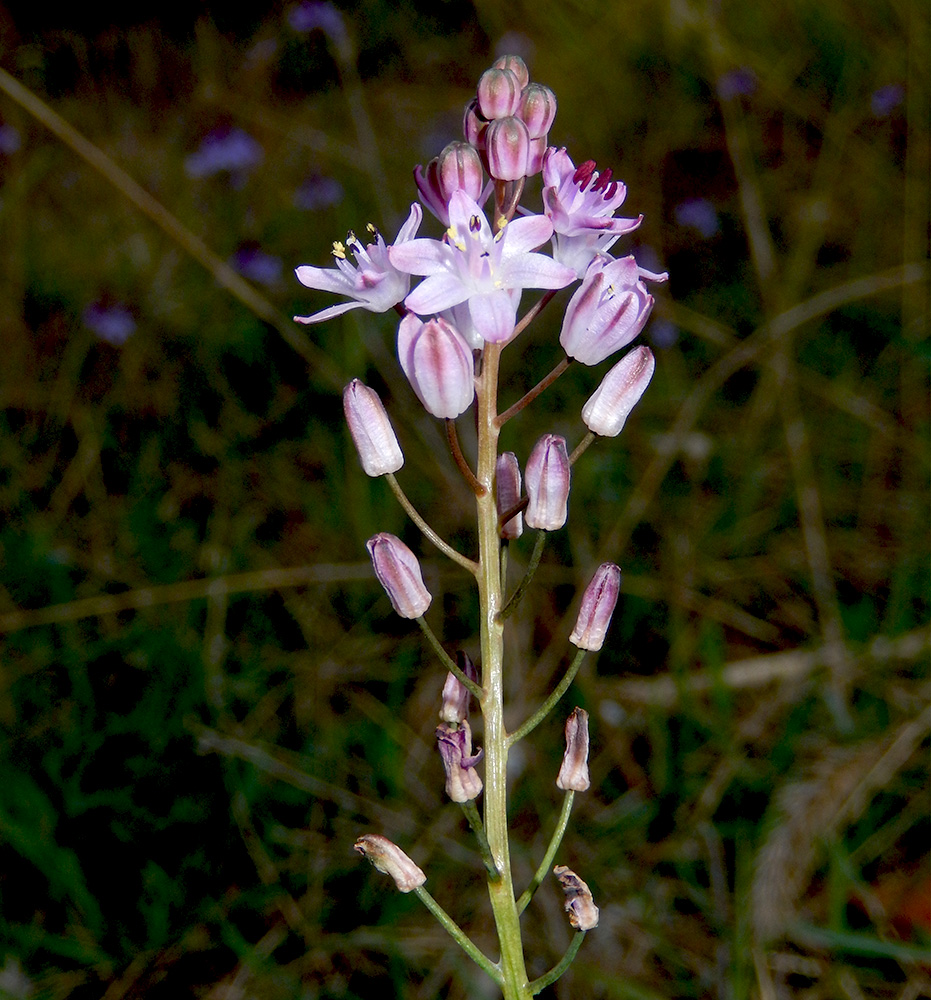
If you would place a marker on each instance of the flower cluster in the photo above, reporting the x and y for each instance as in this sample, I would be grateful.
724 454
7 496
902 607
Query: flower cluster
454 324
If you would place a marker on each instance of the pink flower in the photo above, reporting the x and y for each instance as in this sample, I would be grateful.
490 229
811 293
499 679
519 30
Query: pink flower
373 283
472 264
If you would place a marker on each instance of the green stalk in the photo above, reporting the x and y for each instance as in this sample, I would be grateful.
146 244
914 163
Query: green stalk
457 934
555 841
544 710
491 602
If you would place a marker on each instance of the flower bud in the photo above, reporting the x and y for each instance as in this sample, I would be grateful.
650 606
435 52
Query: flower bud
456 695
459 168
583 914
537 109
538 149
607 311
607 410
498 93
573 774
399 573
516 65
389 859
371 430
474 125
507 493
507 145
462 780
438 364
547 481
598 604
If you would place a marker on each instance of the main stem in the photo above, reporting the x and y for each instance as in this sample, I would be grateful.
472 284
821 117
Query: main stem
491 601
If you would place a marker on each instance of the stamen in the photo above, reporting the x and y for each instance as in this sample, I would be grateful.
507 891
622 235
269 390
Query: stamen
339 250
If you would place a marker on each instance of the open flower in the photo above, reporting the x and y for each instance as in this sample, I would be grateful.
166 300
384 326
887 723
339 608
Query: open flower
472 264
581 204
372 283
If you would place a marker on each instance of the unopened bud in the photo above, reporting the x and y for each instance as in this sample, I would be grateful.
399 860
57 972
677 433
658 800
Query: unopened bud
389 859
507 146
462 780
398 571
538 149
456 695
498 93
438 364
459 168
474 125
537 109
607 410
583 914
516 65
507 493
573 774
546 478
371 430
598 604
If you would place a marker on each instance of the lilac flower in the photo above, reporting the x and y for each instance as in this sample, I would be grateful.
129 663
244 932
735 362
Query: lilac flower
232 150
438 364
698 213
462 780
318 192
254 264
471 264
10 140
375 284
608 309
736 83
114 324
885 100
581 204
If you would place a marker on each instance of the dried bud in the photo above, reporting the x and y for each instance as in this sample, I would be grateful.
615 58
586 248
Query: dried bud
399 573
456 695
573 775
583 914
507 146
607 410
598 603
516 65
507 493
547 481
462 780
371 430
438 364
389 859
498 93
537 109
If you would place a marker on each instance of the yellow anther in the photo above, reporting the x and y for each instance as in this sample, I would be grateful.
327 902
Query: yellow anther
339 250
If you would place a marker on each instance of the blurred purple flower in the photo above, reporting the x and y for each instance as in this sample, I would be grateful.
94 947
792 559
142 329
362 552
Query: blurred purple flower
740 82
698 213
885 100
663 334
231 150
114 324
254 264
312 14
9 139
318 192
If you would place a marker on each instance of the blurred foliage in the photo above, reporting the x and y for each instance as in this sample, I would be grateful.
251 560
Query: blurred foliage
206 697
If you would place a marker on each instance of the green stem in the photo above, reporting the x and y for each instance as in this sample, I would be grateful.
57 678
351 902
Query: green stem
550 977
491 601
535 557
544 710
414 515
459 936
447 660
527 399
555 841
580 448
475 821
453 438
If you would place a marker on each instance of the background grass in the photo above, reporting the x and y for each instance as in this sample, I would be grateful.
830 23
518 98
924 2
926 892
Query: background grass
206 696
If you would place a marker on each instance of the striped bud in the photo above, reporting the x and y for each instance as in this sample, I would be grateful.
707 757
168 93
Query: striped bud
398 571
607 410
598 604
371 430
507 493
546 478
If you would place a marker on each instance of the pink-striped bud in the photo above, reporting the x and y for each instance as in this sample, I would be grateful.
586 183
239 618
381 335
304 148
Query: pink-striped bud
607 410
498 93
371 430
462 780
546 478
389 859
438 364
398 571
516 65
459 168
507 146
474 125
507 493
598 603
607 311
579 904
538 149
537 109
456 695
573 774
